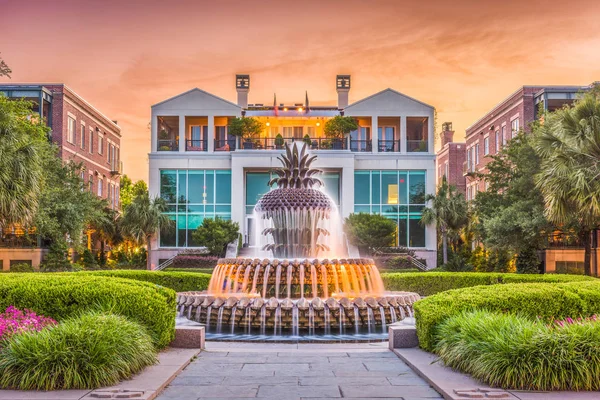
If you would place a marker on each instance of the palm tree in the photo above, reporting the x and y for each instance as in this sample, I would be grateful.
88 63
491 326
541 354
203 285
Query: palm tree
449 211
143 218
568 142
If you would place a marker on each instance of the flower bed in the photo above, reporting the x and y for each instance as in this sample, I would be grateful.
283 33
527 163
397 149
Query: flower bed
14 321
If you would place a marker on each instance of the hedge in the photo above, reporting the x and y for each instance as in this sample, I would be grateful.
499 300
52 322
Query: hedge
178 281
65 295
428 283
533 300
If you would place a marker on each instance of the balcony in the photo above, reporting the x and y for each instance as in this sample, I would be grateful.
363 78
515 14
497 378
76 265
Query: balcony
468 169
225 144
361 146
388 146
196 145
279 143
417 146
116 168
168 145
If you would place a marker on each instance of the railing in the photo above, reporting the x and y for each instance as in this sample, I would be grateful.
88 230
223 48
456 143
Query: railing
224 144
165 264
388 146
467 169
417 146
168 145
116 167
19 242
279 143
196 145
361 145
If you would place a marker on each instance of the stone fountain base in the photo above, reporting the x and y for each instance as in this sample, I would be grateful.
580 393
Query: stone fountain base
227 313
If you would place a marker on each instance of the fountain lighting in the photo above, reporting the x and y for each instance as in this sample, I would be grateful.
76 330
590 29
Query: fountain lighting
292 289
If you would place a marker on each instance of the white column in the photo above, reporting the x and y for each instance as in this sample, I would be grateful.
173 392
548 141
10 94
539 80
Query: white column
374 134
403 138
430 134
211 134
153 135
347 195
182 133
237 193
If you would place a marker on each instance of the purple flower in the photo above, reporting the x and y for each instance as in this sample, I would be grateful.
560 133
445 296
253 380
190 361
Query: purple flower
14 321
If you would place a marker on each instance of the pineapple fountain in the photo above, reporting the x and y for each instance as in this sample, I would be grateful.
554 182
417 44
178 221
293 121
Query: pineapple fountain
302 289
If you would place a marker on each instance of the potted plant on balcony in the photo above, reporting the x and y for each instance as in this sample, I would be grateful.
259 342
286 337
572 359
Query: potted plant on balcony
279 141
306 139
246 128
338 128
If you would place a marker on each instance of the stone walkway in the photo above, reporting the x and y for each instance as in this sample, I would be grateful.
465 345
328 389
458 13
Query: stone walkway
297 371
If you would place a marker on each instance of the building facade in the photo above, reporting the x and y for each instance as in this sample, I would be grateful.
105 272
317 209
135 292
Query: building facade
83 135
450 159
387 166
490 133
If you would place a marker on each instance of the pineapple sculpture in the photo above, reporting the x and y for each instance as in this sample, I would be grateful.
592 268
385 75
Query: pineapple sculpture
296 210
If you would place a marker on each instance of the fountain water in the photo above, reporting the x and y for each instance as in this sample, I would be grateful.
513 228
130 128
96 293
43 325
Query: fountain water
302 287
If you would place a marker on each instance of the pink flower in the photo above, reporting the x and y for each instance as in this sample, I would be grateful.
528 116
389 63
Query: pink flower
14 321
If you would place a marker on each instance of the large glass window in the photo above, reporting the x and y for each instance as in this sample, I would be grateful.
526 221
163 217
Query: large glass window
398 195
417 134
191 197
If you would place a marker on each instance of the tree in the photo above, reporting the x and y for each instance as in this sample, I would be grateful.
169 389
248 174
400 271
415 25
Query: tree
449 211
369 231
245 127
338 127
509 215
129 190
4 69
143 218
215 234
23 148
568 143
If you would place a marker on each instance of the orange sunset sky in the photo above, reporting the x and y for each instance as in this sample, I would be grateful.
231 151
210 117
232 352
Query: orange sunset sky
461 56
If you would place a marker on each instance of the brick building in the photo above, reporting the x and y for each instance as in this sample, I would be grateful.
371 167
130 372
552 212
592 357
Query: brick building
83 135
450 159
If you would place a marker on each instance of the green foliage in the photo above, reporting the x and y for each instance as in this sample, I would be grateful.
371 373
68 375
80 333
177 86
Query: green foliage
88 260
24 147
57 259
528 262
430 283
21 267
65 295
369 231
87 352
514 352
178 281
339 126
279 142
245 127
306 139
129 190
4 68
532 300
215 234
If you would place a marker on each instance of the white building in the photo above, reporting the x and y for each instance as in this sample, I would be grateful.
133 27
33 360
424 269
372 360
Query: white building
204 172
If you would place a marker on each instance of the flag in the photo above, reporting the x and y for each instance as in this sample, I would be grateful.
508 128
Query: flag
306 107
275 108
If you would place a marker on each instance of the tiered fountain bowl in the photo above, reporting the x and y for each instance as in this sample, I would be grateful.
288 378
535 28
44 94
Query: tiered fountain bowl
296 294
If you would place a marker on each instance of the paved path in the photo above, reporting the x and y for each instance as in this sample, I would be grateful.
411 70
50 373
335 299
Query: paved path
297 371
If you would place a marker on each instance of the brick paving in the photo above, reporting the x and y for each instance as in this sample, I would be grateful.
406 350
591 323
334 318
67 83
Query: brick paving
297 372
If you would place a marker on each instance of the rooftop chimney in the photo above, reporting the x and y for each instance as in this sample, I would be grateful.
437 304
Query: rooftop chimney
242 86
342 85
447 133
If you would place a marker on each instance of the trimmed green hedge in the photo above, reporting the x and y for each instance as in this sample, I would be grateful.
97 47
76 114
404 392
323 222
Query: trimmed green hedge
428 283
178 281
65 295
533 300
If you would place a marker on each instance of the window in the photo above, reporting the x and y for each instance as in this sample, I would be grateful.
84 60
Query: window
298 132
514 127
193 195
398 195
446 169
498 141
71 133
83 136
486 145
476 153
91 140
417 134
100 144
503 135
109 187
91 183
288 132
100 187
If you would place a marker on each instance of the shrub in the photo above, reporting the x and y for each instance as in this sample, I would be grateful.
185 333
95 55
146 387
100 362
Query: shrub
215 234
21 267
64 295
195 261
177 281
369 231
57 259
544 300
14 321
429 283
86 352
514 352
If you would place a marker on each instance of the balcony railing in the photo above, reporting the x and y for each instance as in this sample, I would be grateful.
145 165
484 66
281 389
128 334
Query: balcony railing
417 146
279 143
168 145
116 167
388 146
224 144
196 145
468 168
361 145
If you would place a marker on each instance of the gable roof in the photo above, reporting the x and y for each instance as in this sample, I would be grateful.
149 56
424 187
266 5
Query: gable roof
385 91
196 90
